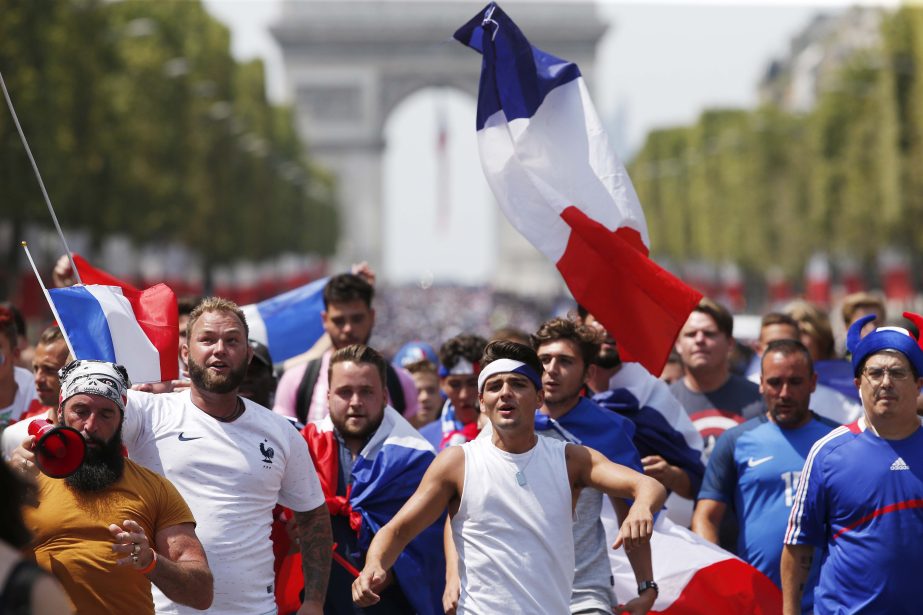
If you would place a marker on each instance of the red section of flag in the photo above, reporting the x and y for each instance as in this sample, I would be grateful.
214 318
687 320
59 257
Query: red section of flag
642 305
155 308
728 587
158 316
91 275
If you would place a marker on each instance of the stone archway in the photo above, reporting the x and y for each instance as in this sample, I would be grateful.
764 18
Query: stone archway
349 64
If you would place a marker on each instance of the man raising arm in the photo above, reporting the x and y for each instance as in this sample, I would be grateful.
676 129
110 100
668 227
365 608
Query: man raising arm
524 504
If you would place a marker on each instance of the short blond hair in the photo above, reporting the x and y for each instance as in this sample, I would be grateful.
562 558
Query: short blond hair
218 304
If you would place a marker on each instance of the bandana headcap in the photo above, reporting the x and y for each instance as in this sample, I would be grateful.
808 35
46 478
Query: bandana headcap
504 366
463 367
884 338
108 380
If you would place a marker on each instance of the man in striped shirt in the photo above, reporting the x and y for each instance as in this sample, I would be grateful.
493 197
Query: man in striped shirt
861 493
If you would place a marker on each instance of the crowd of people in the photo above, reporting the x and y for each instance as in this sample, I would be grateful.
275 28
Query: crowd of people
469 471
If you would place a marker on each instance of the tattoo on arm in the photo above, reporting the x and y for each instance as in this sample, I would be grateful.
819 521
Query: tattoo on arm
805 561
315 541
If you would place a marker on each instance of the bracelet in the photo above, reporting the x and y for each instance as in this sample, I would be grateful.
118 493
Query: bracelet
147 569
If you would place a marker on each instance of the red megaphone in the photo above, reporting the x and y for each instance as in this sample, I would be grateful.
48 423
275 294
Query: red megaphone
59 451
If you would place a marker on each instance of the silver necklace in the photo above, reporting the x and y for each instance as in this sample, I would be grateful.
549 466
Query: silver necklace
520 473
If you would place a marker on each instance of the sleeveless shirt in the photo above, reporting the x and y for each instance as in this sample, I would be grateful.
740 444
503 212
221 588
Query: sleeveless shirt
515 541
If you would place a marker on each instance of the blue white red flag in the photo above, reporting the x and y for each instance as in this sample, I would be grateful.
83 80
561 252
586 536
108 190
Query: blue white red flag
549 164
695 577
385 474
137 329
288 324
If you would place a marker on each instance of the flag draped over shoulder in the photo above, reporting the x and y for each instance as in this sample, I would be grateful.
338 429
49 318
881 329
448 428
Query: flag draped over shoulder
288 324
548 162
137 329
385 474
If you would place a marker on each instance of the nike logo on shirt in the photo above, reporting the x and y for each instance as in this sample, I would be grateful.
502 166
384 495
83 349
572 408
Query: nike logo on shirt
752 463
182 438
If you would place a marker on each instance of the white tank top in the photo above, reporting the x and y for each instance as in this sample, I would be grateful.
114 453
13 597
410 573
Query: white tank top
514 530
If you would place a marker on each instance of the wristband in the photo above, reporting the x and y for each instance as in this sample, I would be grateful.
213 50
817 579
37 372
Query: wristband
147 569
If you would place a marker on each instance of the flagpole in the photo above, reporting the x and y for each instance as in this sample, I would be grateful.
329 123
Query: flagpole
22 137
48 299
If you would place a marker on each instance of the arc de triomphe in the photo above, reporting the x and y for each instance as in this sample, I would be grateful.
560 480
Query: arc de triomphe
350 63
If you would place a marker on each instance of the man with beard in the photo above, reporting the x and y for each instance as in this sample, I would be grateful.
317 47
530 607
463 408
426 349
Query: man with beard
232 460
755 467
370 460
111 529
348 318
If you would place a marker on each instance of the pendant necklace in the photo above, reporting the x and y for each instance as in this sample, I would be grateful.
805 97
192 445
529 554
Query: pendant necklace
520 473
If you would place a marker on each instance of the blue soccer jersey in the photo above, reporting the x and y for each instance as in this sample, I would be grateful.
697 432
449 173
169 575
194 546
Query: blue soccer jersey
755 468
861 499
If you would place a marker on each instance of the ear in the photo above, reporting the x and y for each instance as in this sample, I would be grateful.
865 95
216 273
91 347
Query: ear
249 354
540 393
372 317
323 317
591 372
184 352
813 382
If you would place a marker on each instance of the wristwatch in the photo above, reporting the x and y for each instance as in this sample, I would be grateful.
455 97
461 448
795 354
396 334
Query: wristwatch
645 585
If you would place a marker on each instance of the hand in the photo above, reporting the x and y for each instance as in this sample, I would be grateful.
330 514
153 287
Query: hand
364 271
640 605
451 594
657 468
23 459
131 541
167 386
636 530
311 608
368 585
63 274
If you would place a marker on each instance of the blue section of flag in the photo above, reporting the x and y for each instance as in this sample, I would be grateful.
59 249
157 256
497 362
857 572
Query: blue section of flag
515 76
85 323
293 320
381 485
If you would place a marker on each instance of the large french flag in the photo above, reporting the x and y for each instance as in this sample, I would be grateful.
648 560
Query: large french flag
137 329
548 162
695 576
288 324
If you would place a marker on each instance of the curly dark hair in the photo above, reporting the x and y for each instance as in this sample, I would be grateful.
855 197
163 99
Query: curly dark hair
586 338
464 346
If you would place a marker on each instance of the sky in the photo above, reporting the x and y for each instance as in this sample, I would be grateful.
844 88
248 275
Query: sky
660 64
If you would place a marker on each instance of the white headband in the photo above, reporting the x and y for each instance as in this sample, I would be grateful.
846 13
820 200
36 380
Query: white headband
504 366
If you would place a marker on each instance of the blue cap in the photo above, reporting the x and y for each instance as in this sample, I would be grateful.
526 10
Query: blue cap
884 338
411 352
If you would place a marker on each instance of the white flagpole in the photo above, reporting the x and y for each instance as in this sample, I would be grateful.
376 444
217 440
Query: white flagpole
22 137
48 299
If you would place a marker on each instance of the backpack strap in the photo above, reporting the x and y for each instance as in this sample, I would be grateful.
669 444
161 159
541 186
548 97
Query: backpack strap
395 390
306 389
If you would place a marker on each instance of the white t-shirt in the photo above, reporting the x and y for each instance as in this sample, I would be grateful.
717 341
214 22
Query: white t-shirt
231 476
25 393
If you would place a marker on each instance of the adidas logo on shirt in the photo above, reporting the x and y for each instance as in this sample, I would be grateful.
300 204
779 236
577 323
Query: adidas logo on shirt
899 465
